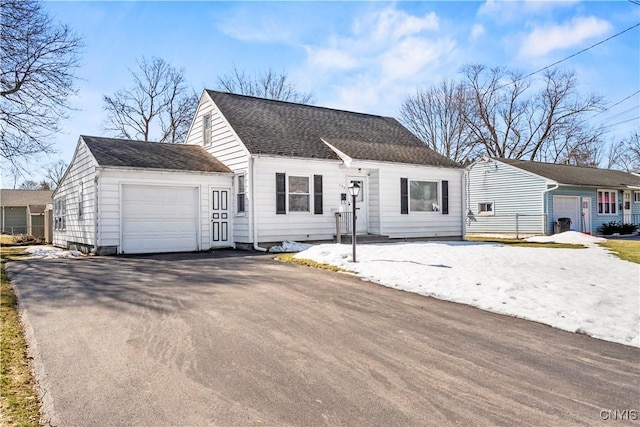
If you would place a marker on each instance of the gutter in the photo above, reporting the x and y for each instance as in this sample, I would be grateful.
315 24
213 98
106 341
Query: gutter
254 223
546 206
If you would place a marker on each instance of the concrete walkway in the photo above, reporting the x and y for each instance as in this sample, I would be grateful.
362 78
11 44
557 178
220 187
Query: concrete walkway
238 339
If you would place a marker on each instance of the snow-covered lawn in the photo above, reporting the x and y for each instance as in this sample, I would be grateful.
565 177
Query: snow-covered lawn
580 290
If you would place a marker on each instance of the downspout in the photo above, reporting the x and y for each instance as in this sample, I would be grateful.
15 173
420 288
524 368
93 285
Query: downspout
254 223
96 212
546 206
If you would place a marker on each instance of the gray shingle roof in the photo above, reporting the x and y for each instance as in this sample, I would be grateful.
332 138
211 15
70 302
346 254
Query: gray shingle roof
152 155
578 175
296 130
25 197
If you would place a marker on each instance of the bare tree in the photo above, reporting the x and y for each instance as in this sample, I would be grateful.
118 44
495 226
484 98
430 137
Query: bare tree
625 154
158 106
55 172
268 84
38 60
436 116
501 113
510 122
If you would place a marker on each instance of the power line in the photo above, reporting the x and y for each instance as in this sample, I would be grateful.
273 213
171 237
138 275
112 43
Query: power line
617 103
571 56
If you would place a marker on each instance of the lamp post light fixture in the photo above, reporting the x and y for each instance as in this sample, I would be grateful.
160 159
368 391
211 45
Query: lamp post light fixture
354 191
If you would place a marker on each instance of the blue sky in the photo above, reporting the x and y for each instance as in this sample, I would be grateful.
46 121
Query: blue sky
359 56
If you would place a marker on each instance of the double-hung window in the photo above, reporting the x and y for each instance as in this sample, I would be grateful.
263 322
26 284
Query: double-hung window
299 196
241 194
607 202
636 197
59 214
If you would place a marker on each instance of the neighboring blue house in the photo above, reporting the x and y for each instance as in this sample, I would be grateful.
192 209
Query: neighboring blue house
507 197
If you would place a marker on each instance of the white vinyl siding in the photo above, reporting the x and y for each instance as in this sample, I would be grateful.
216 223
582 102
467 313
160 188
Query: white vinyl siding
112 180
511 191
76 192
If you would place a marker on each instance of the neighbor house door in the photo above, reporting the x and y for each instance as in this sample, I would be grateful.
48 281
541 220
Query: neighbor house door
361 203
220 218
626 207
586 215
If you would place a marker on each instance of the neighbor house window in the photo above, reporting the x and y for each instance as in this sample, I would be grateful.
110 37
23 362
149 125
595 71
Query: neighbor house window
241 193
206 129
299 194
423 196
607 202
636 196
59 214
485 208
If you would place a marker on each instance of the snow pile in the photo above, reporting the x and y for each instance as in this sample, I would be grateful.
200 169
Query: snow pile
567 237
579 290
290 246
49 252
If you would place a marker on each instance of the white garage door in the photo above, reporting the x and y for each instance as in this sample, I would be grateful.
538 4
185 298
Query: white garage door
159 219
567 207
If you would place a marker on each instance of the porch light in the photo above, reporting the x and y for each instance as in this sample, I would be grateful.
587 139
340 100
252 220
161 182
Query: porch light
354 191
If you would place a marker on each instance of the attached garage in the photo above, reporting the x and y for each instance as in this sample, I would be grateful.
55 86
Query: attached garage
158 218
133 197
567 207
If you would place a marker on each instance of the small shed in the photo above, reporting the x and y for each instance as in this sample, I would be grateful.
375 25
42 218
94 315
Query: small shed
23 211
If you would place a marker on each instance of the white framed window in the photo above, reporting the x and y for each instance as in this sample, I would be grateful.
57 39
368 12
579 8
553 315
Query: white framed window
59 214
298 193
241 191
636 197
423 196
485 208
206 129
607 202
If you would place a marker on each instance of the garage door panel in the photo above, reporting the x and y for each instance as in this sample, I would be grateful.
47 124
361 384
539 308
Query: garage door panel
159 219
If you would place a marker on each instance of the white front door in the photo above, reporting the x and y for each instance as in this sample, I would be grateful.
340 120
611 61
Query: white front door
220 218
586 215
361 203
626 207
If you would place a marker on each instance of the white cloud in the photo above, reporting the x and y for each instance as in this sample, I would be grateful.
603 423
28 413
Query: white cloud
509 11
477 31
386 52
542 40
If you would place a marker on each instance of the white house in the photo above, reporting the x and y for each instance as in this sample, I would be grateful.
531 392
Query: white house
255 172
293 163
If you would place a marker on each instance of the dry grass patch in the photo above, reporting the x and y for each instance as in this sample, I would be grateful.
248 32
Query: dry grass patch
7 239
19 402
523 243
628 250
310 263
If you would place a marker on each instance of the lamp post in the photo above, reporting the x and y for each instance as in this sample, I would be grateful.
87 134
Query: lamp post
354 191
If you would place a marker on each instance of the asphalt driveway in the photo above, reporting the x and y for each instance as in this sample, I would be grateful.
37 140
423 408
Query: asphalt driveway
235 338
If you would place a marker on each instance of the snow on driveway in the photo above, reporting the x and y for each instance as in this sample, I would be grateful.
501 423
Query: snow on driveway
579 290
50 252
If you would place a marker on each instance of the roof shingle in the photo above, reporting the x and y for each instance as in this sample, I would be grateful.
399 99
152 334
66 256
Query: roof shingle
152 155
273 127
578 175
25 197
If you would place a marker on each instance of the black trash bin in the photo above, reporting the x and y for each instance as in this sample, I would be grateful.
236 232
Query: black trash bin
565 224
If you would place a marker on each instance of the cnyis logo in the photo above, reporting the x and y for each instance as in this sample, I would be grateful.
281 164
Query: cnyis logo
620 415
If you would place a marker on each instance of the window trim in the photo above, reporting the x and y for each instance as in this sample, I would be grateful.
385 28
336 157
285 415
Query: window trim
636 197
309 194
438 184
485 212
81 200
241 195
59 214
611 204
